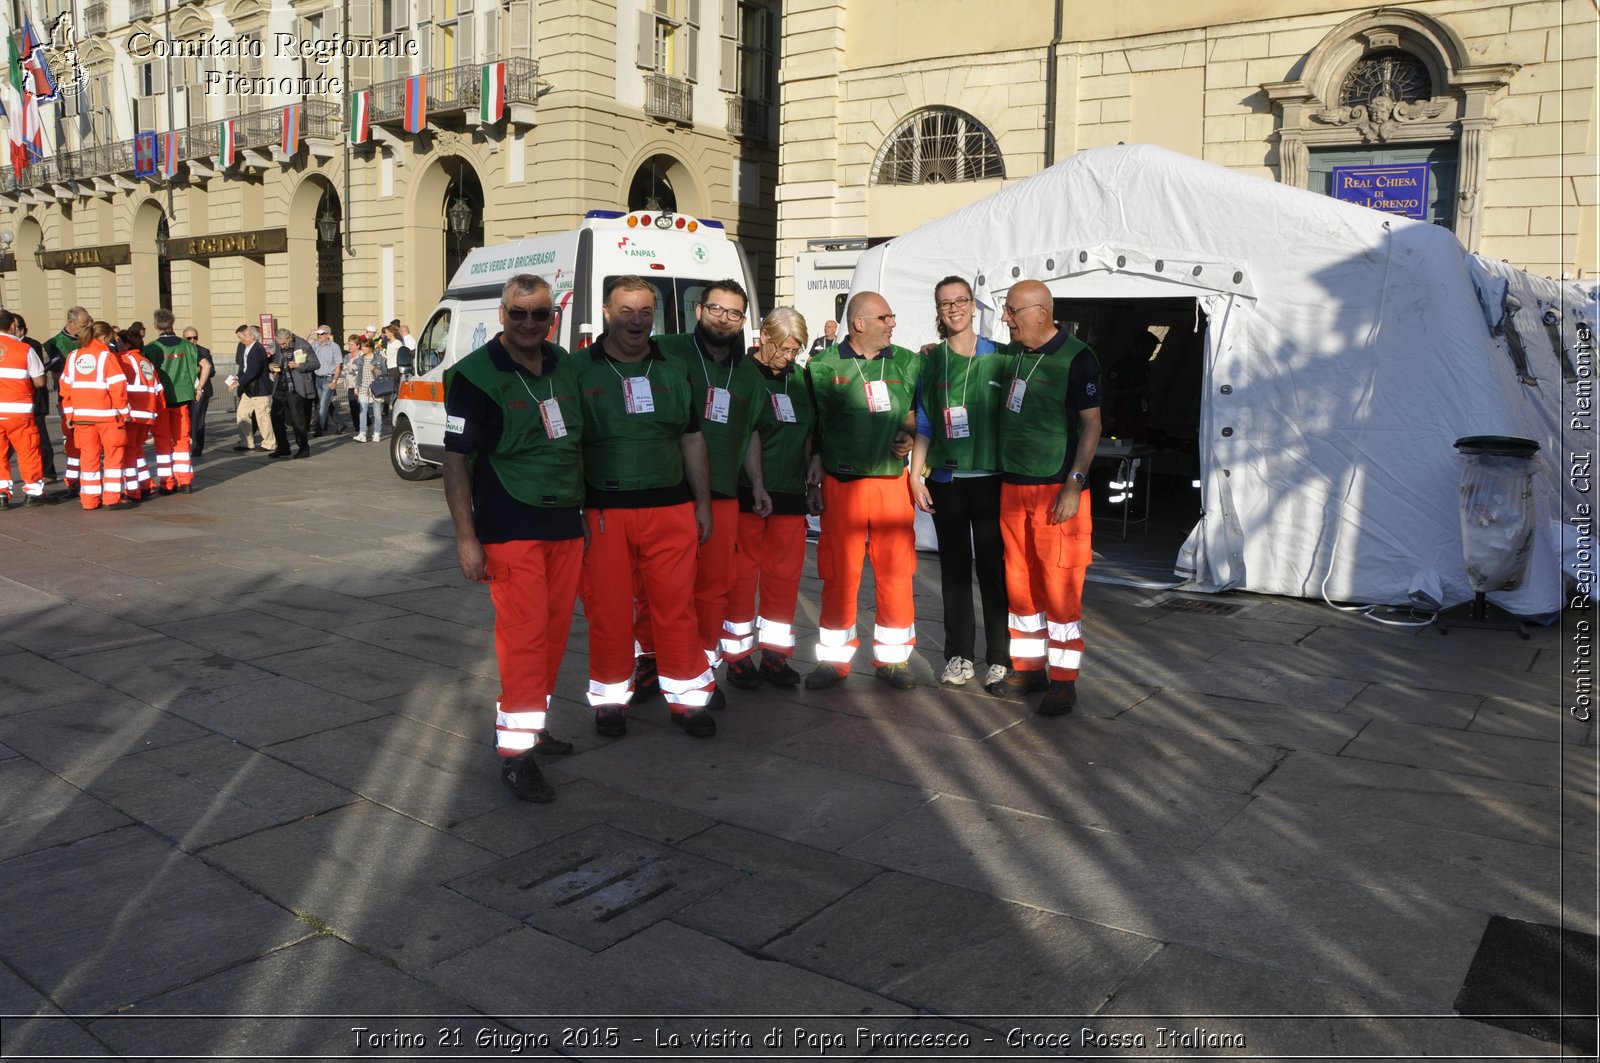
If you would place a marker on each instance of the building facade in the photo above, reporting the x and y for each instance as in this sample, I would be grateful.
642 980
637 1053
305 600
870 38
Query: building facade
271 209
895 113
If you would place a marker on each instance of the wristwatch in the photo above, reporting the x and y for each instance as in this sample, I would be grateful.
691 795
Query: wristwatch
1077 477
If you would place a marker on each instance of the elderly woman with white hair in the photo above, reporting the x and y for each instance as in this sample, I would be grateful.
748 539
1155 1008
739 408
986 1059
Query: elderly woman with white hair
770 552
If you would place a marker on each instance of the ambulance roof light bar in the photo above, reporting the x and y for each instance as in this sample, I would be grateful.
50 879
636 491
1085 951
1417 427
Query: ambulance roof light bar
664 219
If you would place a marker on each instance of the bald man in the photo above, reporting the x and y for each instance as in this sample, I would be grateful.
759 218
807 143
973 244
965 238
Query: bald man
864 391
1049 428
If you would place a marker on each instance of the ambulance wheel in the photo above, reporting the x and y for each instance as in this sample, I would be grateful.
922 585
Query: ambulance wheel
404 455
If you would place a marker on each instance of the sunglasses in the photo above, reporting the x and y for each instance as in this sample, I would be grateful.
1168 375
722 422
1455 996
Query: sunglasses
518 315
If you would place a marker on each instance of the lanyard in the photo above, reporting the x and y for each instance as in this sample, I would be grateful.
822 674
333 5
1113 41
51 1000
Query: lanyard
529 390
965 377
882 371
612 363
1035 368
707 372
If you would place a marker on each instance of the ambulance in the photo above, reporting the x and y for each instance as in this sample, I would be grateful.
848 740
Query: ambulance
677 254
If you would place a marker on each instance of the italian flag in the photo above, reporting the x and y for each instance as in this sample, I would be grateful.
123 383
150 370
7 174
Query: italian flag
492 97
228 152
361 117
22 111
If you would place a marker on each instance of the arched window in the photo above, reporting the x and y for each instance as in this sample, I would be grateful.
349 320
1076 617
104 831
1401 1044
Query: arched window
1392 73
938 145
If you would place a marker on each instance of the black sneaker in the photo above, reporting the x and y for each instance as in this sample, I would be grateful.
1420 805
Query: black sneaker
822 677
646 681
775 670
744 674
1059 699
523 778
697 723
610 723
550 745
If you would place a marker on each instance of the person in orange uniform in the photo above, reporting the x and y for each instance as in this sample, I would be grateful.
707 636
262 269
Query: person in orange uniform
771 550
513 421
177 362
147 404
1049 428
729 386
864 389
21 375
647 508
94 403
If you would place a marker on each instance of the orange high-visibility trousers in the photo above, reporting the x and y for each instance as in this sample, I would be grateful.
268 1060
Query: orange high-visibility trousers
866 519
23 437
533 584
1045 566
100 447
136 480
713 579
769 558
171 433
660 543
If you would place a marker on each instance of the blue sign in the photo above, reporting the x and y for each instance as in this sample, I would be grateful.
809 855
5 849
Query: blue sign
1395 189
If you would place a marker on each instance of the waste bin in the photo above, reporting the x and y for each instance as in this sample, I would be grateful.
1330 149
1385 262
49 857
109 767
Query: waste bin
1497 516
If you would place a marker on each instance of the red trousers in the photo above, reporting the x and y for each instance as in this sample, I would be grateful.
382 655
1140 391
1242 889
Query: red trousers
23 437
533 585
171 432
866 519
655 547
770 554
100 445
713 579
1045 565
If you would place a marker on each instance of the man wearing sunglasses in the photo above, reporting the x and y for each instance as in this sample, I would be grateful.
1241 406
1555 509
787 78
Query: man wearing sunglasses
864 389
513 482
729 389
1049 428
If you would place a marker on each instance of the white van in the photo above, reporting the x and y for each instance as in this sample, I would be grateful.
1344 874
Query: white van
822 279
680 255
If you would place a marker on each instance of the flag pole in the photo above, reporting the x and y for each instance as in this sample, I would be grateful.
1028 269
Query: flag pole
172 123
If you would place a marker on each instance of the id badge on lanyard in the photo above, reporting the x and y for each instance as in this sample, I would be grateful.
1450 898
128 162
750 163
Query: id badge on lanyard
555 426
878 397
636 392
783 409
955 423
718 401
1019 388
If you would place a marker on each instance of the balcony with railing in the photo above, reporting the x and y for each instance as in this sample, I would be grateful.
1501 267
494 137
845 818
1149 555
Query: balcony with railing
455 90
94 17
319 119
668 97
749 119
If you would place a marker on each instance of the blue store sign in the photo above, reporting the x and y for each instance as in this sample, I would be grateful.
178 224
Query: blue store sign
1399 190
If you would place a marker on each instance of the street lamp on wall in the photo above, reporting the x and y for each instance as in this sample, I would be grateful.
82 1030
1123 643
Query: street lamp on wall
38 255
328 225
459 216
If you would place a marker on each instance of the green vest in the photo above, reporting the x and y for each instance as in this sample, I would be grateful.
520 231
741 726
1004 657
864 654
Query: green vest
533 468
177 367
783 443
625 451
855 442
725 441
1037 441
950 380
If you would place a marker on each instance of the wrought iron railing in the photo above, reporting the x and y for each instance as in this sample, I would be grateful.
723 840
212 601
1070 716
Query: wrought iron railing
667 97
749 119
455 89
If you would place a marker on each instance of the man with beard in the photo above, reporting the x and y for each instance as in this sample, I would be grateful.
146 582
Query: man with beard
728 389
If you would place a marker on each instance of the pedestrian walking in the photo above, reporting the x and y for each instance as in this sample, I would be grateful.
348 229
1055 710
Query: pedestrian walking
254 390
294 390
329 358
358 374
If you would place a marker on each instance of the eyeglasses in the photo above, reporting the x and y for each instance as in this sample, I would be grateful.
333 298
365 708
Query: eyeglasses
956 304
517 315
722 311
1015 310
791 349
882 319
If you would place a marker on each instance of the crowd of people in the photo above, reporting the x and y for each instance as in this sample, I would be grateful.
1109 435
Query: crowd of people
667 480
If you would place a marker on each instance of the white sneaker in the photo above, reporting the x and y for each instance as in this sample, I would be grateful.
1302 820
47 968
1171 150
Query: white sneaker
994 676
956 672
361 439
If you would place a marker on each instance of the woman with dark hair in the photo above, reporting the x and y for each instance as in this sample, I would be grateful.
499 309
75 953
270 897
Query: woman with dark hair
955 478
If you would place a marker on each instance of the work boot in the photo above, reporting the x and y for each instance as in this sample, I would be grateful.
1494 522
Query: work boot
775 670
646 681
822 677
718 700
1019 683
550 745
744 674
610 723
1059 700
523 778
897 675
696 723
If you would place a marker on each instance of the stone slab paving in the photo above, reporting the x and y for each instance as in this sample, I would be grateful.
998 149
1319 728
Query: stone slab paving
243 779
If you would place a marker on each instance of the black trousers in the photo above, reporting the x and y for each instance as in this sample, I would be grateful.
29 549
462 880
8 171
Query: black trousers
197 424
296 411
966 514
47 450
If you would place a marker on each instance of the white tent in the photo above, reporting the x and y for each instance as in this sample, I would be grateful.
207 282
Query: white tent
1345 351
